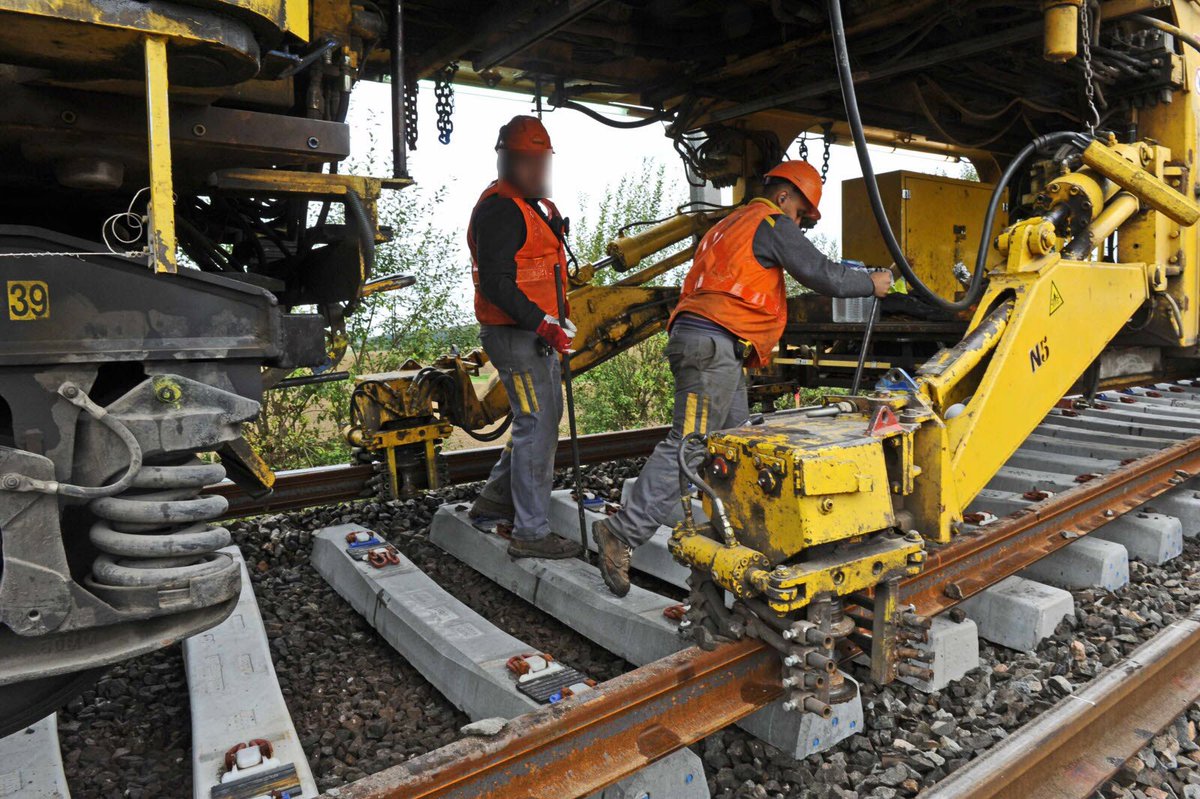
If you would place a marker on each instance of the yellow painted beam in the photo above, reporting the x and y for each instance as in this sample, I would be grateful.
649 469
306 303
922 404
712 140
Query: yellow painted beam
158 135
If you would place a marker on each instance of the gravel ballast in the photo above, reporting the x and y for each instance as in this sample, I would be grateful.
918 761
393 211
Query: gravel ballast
359 707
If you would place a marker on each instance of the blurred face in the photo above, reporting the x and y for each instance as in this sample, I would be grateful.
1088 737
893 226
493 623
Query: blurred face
528 171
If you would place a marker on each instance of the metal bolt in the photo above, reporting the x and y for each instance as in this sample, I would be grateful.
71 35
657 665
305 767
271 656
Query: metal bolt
199 130
791 661
70 391
1108 514
313 142
68 117
12 481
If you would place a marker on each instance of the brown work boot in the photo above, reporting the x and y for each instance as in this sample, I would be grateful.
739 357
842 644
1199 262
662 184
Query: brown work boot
485 509
550 546
615 555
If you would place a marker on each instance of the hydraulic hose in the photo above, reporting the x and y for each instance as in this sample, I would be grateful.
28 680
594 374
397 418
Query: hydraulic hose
365 229
923 292
687 473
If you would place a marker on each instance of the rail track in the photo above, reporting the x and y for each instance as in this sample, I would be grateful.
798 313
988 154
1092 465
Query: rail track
303 488
1100 465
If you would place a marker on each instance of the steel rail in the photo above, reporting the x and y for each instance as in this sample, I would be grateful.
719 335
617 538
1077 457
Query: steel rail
983 557
1072 749
672 702
604 735
303 488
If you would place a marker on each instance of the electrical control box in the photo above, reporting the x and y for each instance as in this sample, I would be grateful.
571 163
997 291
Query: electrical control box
936 219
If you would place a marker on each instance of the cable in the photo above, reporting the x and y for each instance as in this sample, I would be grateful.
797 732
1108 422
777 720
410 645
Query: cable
1180 34
923 292
686 473
132 221
660 116
366 230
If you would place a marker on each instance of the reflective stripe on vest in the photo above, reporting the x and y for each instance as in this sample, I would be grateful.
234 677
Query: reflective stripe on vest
536 259
730 286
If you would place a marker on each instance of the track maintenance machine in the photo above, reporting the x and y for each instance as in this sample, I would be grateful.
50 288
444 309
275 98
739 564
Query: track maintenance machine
171 248
1083 242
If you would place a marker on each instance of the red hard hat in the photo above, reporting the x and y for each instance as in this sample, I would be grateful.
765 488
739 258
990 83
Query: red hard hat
524 133
804 177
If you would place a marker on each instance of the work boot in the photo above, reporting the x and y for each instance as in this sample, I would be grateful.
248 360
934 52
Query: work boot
484 509
615 555
549 546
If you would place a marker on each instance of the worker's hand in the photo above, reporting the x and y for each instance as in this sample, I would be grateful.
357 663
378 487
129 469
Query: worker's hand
556 335
883 280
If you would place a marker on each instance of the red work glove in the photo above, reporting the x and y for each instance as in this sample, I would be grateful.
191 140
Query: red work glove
556 335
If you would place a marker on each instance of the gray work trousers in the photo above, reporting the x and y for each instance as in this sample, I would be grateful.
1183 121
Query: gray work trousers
710 394
524 475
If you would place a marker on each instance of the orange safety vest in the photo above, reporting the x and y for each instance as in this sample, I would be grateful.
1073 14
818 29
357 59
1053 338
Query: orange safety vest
535 260
732 288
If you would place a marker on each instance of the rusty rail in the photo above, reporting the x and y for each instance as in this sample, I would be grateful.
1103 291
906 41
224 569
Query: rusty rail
303 488
582 744
1070 750
661 707
976 560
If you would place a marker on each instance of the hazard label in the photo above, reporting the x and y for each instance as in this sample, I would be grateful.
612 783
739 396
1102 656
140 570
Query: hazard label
1056 299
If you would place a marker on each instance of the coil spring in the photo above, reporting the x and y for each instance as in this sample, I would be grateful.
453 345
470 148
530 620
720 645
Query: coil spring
156 534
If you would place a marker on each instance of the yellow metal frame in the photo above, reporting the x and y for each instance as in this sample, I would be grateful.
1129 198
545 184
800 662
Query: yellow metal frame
158 135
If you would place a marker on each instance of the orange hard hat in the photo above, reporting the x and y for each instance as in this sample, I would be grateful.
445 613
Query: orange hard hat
524 133
804 177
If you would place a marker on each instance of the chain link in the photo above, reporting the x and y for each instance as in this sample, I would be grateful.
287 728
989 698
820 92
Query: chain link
804 147
1092 120
410 114
828 137
443 91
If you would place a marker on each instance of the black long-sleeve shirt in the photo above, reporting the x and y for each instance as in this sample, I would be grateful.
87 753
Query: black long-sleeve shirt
499 229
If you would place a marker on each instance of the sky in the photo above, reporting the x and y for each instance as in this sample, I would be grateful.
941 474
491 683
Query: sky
588 156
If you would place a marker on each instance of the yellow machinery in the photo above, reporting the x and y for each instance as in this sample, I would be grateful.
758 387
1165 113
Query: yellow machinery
402 417
173 245
829 502
1087 250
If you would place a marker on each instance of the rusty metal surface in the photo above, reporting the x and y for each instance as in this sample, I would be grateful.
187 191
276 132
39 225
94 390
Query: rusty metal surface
1070 750
303 488
983 557
578 746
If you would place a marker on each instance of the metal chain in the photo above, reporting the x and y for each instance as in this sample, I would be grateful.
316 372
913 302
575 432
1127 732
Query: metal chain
829 137
1092 119
410 114
443 90
804 147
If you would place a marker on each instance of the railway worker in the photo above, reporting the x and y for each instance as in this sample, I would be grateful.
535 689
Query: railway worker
515 239
731 313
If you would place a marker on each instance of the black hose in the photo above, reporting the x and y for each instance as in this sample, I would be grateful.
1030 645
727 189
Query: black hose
687 473
494 434
923 292
661 116
366 230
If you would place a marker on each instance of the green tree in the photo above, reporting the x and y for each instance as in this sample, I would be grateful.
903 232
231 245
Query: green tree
302 426
634 389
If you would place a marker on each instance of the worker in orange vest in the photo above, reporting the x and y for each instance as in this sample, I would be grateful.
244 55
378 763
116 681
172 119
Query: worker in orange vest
731 313
516 243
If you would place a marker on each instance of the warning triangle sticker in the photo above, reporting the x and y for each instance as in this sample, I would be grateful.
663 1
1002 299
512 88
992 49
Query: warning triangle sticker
1056 299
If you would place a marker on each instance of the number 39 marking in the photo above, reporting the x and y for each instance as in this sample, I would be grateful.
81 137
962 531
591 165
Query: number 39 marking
28 300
